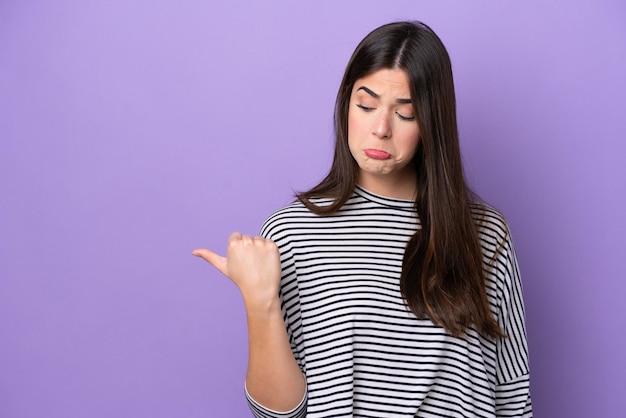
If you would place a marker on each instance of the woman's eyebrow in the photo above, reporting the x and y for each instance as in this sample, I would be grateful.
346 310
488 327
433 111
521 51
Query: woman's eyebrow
370 92
377 96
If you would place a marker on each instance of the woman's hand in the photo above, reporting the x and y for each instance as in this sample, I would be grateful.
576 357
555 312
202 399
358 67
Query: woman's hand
274 378
253 264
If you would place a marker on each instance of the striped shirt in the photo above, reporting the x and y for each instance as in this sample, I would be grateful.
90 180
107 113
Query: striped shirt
363 353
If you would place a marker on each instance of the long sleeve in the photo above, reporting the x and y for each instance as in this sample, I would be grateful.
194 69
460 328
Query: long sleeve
513 398
513 381
259 411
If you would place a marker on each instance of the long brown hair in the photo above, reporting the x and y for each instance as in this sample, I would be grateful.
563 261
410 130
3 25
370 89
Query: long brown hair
442 270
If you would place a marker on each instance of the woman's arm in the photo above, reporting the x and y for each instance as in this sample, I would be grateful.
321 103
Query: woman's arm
513 381
274 379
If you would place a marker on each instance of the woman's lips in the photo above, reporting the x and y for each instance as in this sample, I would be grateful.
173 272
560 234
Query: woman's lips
377 154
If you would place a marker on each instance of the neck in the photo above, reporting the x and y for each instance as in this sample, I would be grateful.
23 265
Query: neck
402 187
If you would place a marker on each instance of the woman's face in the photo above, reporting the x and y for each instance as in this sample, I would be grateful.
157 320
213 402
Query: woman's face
383 134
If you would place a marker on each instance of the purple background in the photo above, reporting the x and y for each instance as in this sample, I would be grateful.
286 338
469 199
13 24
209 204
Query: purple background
134 132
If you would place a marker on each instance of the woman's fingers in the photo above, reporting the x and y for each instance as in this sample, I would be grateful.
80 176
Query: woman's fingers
210 257
234 240
251 263
234 236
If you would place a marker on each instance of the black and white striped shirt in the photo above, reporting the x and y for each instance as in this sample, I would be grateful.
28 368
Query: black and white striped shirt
364 354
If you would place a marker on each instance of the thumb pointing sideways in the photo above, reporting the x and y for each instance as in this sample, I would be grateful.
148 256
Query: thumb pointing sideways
210 257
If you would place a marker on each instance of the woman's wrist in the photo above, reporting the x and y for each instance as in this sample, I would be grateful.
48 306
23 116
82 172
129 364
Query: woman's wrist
262 307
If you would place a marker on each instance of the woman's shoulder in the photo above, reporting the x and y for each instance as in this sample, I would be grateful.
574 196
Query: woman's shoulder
289 216
492 225
292 210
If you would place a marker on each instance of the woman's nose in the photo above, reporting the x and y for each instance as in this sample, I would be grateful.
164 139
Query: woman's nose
382 126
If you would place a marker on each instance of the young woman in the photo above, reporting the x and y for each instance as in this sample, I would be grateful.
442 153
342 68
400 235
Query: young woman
387 290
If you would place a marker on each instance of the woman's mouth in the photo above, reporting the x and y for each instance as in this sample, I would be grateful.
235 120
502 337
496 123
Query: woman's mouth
377 154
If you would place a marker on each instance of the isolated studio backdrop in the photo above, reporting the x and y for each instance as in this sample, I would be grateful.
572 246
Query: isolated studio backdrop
134 132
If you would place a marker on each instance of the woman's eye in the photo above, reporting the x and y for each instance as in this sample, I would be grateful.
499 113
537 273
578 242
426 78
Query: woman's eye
407 118
365 108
